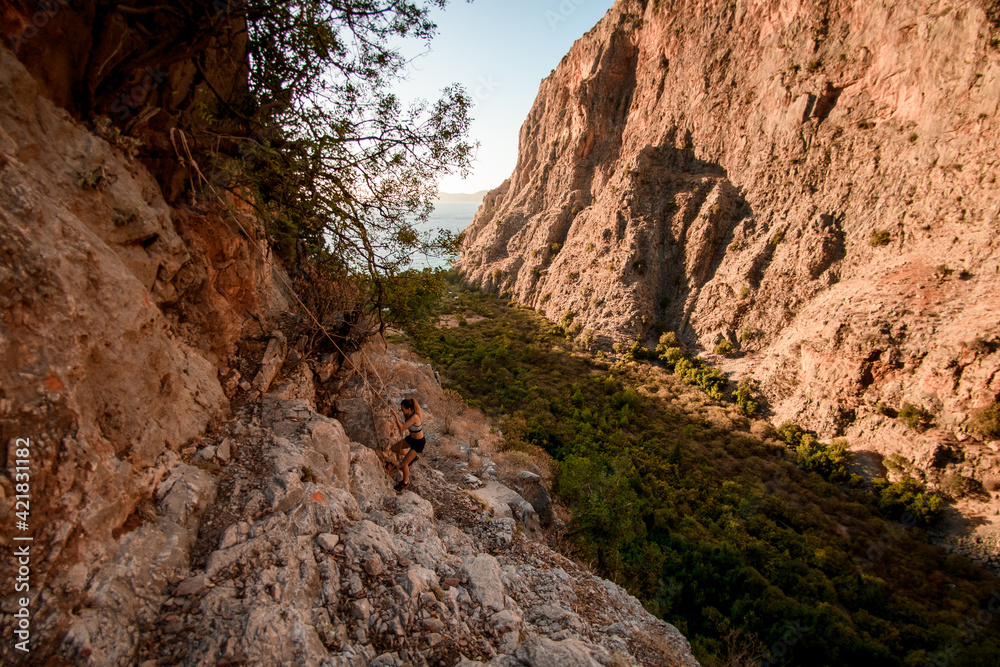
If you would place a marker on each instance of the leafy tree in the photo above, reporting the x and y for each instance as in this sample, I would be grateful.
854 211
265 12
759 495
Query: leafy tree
605 503
334 158
745 397
830 461
906 498
292 110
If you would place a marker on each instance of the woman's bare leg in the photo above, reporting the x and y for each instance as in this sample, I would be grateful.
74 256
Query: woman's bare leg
397 450
410 455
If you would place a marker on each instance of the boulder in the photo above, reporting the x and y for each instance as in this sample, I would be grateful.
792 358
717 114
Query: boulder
274 357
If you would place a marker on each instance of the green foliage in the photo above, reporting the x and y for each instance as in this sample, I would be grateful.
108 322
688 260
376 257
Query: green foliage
793 434
671 356
340 170
412 296
986 421
695 372
638 352
668 341
744 396
880 237
906 498
567 319
713 529
723 347
830 461
914 416
604 502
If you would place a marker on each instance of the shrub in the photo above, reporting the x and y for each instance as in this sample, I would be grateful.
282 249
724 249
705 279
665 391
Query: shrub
986 421
914 416
830 461
880 237
670 356
791 434
723 347
744 397
638 352
668 340
907 497
694 372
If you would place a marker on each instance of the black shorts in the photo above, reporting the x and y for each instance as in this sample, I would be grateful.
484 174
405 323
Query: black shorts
416 444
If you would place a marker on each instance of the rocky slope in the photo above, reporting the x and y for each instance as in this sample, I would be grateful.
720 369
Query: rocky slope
813 181
182 511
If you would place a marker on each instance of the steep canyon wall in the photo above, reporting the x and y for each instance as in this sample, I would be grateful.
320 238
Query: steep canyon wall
813 181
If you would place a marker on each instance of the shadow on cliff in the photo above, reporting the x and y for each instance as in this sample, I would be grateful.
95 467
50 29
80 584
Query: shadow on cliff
698 210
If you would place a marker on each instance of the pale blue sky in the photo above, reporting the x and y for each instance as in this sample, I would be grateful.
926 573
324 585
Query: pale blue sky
500 50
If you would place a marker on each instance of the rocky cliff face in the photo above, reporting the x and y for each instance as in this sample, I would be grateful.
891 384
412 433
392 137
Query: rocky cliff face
183 510
118 312
813 181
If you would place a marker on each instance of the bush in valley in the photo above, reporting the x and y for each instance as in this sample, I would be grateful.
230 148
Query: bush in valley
713 529
914 416
830 460
638 352
907 497
745 397
695 372
723 347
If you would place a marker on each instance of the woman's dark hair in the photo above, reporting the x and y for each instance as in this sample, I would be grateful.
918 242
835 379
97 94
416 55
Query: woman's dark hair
411 404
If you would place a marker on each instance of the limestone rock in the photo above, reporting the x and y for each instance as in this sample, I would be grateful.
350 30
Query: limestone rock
507 503
680 171
274 357
483 573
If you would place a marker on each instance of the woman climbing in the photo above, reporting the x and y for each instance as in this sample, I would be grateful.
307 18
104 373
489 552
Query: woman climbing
414 441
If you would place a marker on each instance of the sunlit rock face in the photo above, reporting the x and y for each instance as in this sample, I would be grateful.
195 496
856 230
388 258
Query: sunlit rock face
813 181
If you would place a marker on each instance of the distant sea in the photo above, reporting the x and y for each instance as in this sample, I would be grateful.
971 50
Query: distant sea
453 216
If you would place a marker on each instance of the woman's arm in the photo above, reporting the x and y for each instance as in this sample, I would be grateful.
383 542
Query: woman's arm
412 420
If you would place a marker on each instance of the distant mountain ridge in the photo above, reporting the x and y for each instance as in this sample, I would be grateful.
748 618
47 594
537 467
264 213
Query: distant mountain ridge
461 197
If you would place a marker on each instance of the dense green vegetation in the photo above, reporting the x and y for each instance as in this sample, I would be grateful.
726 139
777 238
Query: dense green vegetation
746 545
